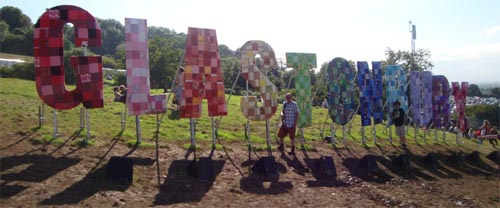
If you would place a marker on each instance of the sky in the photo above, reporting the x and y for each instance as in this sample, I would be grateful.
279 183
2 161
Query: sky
463 36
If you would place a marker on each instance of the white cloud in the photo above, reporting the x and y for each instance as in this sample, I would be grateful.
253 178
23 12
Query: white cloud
488 32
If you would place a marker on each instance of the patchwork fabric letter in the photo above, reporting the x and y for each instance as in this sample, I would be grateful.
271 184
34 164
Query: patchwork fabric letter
257 79
49 59
202 75
139 99
303 63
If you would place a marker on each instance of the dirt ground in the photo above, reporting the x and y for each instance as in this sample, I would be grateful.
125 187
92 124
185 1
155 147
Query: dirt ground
62 175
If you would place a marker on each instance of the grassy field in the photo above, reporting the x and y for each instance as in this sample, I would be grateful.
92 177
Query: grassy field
20 105
39 170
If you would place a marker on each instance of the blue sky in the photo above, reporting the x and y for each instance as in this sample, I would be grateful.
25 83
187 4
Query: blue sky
462 35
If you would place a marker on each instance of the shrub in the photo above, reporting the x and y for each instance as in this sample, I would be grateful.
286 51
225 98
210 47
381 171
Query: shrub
21 71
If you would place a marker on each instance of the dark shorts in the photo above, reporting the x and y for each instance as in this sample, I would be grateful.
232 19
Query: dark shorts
285 131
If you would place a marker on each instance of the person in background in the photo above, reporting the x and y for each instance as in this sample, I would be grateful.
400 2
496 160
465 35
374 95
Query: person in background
399 117
116 92
179 82
289 117
484 130
494 141
123 92
471 134
325 103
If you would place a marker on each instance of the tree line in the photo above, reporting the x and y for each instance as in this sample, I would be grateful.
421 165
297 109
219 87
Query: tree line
166 48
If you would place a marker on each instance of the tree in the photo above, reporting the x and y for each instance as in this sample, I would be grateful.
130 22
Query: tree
320 85
113 34
421 59
18 44
17 36
163 61
179 39
230 68
495 92
474 90
15 18
4 30
477 113
120 56
225 52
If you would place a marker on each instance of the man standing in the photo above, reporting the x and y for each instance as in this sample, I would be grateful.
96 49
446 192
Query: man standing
179 81
399 117
289 117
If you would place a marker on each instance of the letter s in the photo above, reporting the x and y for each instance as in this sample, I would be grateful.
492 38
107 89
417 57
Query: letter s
257 79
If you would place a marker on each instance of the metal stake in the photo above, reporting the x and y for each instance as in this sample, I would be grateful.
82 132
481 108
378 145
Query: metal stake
390 134
214 128
138 129
267 139
436 135
55 123
193 135
363 136
247 131
444 136
301 131
82 118
332 129
426 131
123 116
41 115
415 129
343 135
87 114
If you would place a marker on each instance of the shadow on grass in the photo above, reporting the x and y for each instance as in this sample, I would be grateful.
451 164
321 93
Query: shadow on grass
96 180
474 168
91 184
41 168
322 179
259 183
70 138
113 143
408 173
180 187
374 175
436 168
260 186
294 164
24 135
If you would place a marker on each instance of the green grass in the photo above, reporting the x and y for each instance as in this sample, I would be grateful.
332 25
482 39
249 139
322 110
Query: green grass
190 147
47 139
133 143
19 106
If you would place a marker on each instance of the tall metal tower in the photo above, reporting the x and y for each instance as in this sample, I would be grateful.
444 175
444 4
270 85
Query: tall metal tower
413 31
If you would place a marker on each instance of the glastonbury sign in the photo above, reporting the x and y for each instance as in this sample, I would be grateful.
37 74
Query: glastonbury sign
428 100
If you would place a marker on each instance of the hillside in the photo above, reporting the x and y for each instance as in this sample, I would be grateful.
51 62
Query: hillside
15 56
39 170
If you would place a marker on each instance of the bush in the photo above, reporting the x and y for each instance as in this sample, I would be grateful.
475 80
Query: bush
120 79
6 72
108 62
21 71
477 113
